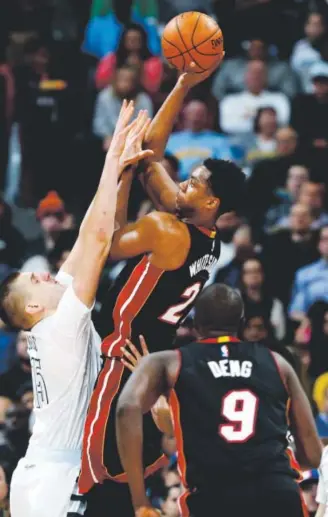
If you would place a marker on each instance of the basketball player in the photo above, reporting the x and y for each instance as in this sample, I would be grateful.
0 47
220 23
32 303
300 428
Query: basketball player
229 402
170 257
63 346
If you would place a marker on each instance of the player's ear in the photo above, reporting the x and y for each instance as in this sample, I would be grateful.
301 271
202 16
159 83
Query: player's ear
33 308
213 203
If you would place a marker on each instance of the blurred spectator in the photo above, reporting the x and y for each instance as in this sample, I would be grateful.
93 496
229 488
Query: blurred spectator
318 343
257 298
309 491
311 195
126 84
310 111
62 248
48 113
171 8
196 141
18 374
53 219
305 53
256 328
270 174
238 110
231 76
287 250
6 471
108 19
16 431
170 506
132 50
243 249
285 197
262 143
25 394
311 281
7 94
12 243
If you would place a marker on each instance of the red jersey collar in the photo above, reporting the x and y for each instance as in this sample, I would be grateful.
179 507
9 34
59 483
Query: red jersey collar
221 340
207 231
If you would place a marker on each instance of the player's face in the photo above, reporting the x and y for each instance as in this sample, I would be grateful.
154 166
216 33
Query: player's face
194 195
40 291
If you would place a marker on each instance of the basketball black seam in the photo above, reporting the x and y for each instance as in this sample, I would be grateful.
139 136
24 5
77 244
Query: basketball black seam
194 47
193 32
185 46
177 55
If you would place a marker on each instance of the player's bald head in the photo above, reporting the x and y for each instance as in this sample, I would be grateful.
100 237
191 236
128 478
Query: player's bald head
219 308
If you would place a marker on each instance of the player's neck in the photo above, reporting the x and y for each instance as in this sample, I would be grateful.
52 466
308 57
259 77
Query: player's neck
204 223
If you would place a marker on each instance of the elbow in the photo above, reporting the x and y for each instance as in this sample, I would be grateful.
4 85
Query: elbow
127 408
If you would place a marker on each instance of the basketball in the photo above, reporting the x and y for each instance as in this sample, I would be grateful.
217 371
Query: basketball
193 36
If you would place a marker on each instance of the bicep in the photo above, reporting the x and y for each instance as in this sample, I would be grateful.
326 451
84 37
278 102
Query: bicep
132 240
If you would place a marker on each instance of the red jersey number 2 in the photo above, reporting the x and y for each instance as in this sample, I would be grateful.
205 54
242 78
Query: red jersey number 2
176 312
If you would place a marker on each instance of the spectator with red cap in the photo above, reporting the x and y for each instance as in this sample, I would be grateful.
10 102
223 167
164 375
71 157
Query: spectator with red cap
53 219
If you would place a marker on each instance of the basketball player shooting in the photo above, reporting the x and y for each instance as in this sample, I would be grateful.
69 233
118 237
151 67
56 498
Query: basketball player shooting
230 404
63 345
169 256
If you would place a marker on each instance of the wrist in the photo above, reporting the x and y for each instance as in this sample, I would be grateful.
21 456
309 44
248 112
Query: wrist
182 83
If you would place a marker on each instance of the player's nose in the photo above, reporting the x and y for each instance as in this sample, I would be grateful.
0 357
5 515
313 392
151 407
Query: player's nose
45 277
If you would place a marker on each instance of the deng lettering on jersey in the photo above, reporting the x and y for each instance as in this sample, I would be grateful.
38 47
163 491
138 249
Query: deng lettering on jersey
231 368
39 386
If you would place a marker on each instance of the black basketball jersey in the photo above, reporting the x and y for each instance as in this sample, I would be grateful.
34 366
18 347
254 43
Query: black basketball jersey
153 302
230 410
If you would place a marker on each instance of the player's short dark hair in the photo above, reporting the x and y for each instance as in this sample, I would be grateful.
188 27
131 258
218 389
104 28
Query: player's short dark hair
5 289
219 308
227 182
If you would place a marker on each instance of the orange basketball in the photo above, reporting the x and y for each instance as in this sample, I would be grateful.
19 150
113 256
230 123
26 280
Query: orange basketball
193 36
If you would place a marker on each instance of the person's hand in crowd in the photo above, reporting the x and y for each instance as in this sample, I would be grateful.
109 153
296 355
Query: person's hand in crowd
190 78
320 143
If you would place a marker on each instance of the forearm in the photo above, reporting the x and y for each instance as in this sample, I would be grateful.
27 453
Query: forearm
160 187
100 217
129 432
162 124
123 193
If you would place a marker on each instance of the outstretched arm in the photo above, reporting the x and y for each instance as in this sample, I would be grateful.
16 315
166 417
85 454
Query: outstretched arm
154 376
160 187
308 445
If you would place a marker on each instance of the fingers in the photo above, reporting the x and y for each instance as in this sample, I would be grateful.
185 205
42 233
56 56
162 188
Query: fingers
125 115
127 356
142 155
133 349
127 365
144 346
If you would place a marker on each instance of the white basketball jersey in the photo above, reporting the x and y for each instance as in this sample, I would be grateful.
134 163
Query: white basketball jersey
322 491
64 350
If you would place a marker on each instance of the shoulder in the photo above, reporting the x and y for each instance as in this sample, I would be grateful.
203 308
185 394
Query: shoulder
165 223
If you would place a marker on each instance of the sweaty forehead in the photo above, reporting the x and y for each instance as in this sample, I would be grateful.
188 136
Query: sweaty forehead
201 174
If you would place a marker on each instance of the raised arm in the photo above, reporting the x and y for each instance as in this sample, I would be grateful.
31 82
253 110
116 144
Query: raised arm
92 247
308 445
122 153
154 376
160 187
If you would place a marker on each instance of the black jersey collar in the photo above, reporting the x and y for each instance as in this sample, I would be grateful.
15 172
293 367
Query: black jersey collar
210 232
221 340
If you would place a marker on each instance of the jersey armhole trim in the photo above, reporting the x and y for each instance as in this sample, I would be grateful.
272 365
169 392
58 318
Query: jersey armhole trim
179 368
282 378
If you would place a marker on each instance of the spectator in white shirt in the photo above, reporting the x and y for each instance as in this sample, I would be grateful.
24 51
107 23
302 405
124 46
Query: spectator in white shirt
237 111
304 54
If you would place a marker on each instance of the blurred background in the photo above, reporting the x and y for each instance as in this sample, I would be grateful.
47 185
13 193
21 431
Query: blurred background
66 65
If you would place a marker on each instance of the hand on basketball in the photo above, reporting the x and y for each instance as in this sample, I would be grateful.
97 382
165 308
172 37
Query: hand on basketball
190 78
147 511
133 152
131 355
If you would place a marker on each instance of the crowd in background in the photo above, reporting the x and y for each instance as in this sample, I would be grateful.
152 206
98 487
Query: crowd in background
66 65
